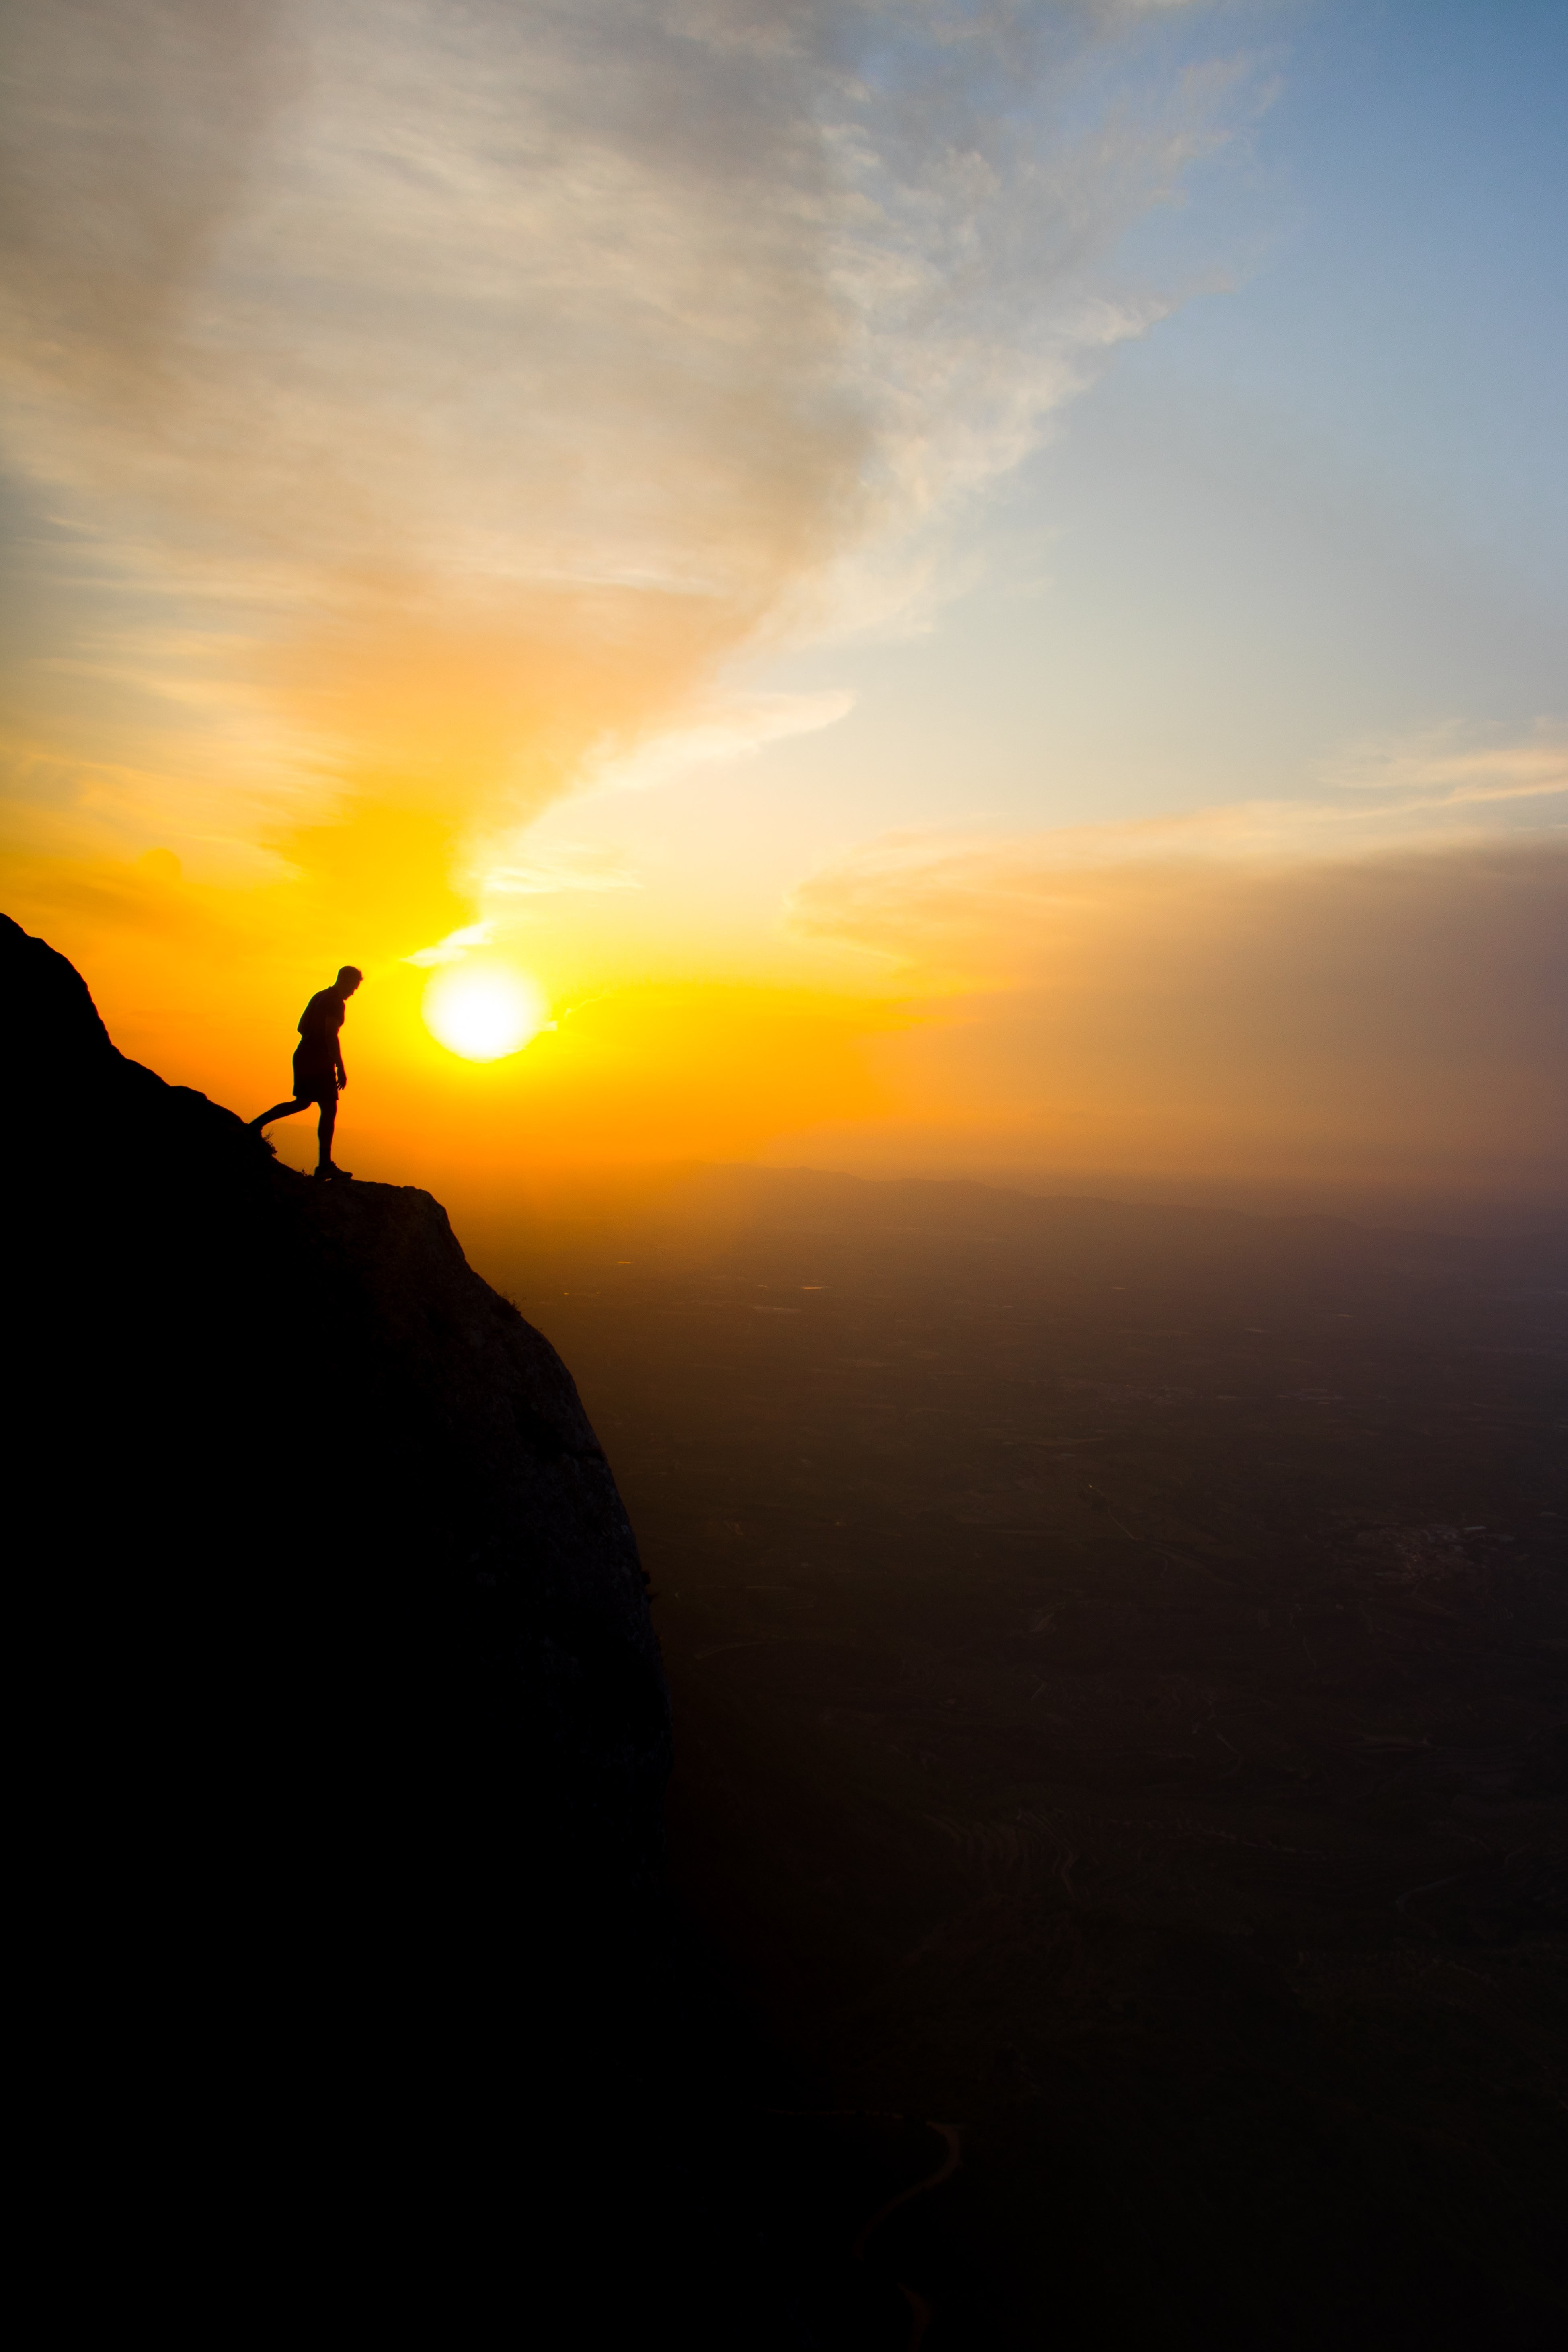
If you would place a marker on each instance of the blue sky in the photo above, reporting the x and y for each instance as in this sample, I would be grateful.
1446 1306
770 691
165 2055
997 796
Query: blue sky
1325 503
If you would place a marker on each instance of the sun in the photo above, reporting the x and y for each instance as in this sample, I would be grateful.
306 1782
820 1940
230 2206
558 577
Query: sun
484 1011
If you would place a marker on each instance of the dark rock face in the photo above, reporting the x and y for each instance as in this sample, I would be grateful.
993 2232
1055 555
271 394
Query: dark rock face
353 1727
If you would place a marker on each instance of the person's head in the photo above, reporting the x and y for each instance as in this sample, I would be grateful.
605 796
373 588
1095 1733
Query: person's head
348 979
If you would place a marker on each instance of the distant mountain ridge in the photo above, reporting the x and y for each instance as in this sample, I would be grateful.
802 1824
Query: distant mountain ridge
1068 1206
1087 1228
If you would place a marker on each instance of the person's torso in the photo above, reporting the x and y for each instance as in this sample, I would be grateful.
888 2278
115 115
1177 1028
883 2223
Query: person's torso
319 1027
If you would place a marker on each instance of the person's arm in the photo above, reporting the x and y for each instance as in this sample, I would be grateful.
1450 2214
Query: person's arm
342 1076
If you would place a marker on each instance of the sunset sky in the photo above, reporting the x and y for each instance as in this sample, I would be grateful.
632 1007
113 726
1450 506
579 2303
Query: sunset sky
920 587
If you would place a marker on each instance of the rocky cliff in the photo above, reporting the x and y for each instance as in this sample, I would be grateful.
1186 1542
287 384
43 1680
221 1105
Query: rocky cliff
351 1724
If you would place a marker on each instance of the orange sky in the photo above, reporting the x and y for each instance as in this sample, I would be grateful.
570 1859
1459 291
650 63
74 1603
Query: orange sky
571 506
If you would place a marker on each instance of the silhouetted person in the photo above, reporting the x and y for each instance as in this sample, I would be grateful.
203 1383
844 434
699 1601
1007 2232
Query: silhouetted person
318 1069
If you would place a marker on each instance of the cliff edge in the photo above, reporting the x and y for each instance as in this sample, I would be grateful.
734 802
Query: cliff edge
351 1721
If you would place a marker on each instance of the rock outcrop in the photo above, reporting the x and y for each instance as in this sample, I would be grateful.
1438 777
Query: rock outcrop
351 1725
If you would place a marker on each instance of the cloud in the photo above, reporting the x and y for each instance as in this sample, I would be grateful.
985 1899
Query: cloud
950 907
1446 768
734 728
433 401
1146 998
565 865
453 948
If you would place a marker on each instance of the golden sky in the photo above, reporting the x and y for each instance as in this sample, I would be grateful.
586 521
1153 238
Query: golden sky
915 587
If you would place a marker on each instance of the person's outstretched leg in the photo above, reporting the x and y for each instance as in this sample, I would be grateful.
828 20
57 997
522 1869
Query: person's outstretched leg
279 1110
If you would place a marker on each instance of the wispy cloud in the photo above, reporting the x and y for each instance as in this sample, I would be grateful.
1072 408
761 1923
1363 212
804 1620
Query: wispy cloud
453 948
1447 767
1399 1017
564 865
447 395
960 905
734 728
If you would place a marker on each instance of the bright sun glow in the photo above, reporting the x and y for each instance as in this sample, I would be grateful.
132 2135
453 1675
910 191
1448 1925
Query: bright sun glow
484 1011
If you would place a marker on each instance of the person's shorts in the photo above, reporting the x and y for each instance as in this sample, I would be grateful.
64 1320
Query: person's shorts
315 1086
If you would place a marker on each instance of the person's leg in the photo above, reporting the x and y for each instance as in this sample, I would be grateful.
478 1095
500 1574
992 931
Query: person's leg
325 1126
280 1110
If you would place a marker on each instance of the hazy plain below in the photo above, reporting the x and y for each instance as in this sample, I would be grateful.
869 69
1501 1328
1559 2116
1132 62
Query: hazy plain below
1118 1658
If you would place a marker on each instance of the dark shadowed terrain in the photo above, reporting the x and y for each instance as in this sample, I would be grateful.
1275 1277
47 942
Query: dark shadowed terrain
1118 1659
340 1737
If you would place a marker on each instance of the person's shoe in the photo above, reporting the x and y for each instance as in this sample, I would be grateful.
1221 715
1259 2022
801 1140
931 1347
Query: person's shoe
333 1173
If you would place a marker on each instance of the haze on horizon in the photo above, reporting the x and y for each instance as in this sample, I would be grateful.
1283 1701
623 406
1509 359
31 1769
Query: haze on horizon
935 588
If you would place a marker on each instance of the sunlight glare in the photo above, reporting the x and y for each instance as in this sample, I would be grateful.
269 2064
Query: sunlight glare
484 1012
